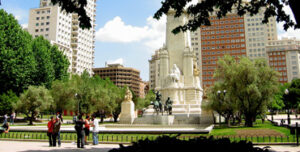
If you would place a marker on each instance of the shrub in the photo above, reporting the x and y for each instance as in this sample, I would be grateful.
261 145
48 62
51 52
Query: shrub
172 144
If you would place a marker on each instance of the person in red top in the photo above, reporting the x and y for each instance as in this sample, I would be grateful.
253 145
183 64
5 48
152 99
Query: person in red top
86 129
50 130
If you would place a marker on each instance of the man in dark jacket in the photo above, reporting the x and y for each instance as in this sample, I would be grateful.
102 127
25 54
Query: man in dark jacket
80 132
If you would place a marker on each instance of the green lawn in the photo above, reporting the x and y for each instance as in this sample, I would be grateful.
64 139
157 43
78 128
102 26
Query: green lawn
225 131
283 135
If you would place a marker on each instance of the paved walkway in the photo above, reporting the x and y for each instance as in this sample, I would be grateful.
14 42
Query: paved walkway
18 146
277 118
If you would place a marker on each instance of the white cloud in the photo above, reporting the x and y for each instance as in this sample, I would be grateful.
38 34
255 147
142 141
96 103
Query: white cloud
117 61
152 35
290 32
24 25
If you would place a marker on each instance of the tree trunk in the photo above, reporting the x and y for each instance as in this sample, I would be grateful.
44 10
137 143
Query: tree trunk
31 119
249 120
115 117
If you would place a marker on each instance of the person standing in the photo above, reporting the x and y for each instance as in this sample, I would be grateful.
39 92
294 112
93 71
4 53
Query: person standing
56 132
5 119
50 131
86 129
80 132
12 117
95 125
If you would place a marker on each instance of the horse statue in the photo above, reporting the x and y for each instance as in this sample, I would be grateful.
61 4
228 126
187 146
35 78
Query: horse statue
168 106
157 104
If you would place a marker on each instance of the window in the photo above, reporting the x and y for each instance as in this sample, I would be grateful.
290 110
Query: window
37 18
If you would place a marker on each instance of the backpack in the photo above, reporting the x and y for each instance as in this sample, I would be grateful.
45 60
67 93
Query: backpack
56 127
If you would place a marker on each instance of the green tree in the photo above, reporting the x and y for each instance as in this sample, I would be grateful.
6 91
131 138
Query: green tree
252 84
34 100
145 102
7 100
44 74
60 63
63 93
17 62
201 12
221 102
292 96
277 102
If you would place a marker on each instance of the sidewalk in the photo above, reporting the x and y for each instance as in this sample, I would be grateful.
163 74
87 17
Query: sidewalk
280 148
17 146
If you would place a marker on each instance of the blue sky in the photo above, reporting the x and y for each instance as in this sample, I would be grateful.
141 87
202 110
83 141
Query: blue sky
132 13
125 31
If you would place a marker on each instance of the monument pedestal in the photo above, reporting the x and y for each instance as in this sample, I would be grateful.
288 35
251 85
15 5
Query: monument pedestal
155 120
127 112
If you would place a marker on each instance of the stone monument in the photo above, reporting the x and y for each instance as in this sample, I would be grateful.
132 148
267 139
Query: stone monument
179 76
127 115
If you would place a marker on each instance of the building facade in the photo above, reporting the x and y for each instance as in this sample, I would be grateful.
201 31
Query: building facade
62 29
284 57
154 70
232 35
121 76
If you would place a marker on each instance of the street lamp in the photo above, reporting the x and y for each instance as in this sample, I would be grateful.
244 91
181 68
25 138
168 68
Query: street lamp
286 91
219 92
76 95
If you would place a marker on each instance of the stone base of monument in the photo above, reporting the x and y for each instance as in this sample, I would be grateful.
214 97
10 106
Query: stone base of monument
127 115
155 120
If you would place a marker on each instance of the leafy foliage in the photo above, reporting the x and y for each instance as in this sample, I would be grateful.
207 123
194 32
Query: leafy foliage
7 100
143 103
78 7
250 85
17 63
166 143
292 98
25 62
34 100
200 12
87 94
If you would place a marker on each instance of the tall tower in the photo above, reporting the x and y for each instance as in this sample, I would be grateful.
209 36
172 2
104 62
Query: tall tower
62 29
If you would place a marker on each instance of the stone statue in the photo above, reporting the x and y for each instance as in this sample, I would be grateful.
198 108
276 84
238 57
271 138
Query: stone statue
168 106
174 75
128 95
196 70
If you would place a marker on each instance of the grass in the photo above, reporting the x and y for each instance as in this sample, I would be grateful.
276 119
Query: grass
225 131
217 132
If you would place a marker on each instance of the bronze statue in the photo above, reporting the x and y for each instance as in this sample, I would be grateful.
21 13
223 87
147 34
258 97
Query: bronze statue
168 106
157 105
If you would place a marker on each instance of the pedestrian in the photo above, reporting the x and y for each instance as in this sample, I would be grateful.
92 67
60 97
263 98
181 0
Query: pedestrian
86 129
4 128
95 125
12 117
80 132
50 131
56 132
5 119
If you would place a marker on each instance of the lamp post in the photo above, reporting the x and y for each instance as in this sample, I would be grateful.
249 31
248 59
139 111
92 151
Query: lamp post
76 95
219 93
288 110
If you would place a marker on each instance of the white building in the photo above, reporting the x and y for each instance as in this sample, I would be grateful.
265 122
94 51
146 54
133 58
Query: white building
63 30
284 57
154 70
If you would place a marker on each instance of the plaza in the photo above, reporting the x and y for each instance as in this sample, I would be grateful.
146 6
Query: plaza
196 75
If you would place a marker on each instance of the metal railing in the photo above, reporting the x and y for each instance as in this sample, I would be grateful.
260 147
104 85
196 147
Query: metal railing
124 138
